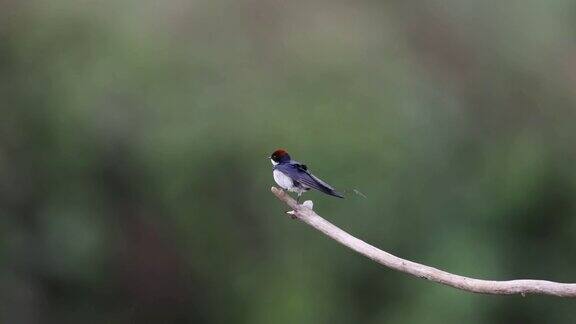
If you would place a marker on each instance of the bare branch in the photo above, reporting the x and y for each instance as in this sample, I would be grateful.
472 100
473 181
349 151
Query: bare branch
509 287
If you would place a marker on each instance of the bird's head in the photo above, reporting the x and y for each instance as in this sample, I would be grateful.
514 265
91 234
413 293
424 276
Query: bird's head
279 156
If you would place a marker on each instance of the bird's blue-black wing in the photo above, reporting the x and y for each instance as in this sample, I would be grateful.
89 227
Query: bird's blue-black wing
299 172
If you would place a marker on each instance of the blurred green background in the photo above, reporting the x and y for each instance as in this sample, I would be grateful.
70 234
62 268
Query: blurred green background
134 184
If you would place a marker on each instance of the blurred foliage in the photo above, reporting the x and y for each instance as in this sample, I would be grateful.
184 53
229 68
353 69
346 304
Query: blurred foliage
134 184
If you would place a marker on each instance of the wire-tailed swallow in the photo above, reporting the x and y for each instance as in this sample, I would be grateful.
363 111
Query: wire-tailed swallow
295 176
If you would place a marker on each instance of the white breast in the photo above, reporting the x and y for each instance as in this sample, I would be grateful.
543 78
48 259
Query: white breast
283 180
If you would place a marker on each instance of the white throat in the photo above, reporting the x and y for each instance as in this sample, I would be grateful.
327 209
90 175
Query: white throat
273 162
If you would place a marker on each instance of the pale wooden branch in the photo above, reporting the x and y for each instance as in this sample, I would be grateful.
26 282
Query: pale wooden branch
509 287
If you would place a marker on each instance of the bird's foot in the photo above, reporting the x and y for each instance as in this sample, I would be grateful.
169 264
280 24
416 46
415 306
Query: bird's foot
308 204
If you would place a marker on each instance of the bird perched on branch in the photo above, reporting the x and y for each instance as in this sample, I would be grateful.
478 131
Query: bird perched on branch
294 176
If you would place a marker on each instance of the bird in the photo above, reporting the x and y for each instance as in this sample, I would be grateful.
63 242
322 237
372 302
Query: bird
295 177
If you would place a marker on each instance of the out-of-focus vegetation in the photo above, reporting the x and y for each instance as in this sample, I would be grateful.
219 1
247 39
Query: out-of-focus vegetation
134 186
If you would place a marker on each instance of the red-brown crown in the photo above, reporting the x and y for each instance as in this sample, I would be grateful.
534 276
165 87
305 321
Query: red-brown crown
280 152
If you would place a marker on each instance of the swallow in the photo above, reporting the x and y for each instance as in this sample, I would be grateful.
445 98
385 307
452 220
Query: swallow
295 176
